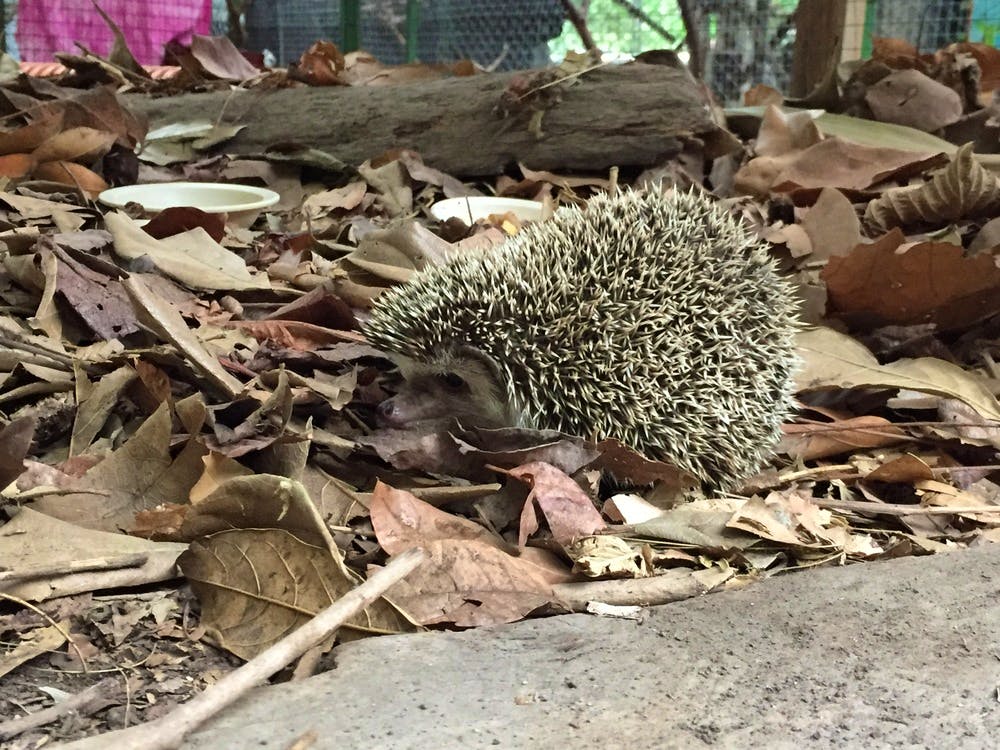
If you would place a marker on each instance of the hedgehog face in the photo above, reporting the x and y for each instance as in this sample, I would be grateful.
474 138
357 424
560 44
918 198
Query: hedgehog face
457 385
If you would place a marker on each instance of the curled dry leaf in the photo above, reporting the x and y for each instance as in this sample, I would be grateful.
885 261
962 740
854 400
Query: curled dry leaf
834 360
75 175
964 189
850 167
905 469
832 225
219 57
138 476
779 518
192 257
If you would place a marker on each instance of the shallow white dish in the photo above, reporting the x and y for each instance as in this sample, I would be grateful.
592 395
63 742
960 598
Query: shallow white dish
211 197
480 206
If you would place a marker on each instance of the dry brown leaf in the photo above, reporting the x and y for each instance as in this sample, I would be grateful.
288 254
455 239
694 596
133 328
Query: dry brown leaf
82 144
344 198
61 214
906 469
94 410
163 318
963 190
830 163
28 137
782 133
32 542
832 225
219 57
698 526
834 360
99 300
177 219
17 166
218 470
320 65
32 643
569 511
470 583
908 97
15 439
138 476
72 174
396 253
257 585
837 163
769 518
930 282
191 257
969 426
251 501
295 335
402 520
823 439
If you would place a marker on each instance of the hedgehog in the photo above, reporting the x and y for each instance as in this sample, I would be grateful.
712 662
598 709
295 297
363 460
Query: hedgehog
655 318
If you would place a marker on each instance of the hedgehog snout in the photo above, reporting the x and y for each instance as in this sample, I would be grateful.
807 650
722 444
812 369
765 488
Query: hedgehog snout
388 414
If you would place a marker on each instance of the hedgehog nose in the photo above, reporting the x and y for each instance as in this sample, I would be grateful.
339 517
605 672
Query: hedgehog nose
386 409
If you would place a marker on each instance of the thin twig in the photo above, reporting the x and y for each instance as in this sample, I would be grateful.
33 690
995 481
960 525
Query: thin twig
133 560
84 703
636 12
563 78
895 509
580 24
696 62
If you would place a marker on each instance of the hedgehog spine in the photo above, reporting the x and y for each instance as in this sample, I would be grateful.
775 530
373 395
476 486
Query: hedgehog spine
656 319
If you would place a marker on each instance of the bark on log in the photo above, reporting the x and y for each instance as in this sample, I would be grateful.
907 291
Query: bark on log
618 115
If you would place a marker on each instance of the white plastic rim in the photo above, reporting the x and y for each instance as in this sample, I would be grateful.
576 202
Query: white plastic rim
210 197
480 206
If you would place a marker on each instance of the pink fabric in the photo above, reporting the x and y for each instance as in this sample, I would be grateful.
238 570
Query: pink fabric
45 27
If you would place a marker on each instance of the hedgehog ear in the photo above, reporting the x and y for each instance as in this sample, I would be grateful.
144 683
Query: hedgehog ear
407 366
487 361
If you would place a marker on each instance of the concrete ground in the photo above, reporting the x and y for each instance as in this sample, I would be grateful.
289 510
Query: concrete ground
897 654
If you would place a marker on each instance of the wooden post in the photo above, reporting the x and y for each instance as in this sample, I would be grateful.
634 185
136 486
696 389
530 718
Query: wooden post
819 37
350 25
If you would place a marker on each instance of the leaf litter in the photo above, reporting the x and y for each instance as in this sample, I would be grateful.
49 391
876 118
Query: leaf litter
194 398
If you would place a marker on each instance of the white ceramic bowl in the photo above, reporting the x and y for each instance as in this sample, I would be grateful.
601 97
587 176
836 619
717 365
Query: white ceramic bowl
212 197
478 207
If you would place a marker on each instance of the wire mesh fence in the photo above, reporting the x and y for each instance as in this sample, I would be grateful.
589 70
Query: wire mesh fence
745 41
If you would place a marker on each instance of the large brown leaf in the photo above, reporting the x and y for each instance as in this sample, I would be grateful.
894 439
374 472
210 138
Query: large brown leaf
931 282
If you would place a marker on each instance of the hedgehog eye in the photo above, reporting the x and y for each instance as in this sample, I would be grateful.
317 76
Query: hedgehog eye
453 381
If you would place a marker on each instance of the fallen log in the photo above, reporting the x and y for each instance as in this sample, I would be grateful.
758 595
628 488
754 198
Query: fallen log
616 115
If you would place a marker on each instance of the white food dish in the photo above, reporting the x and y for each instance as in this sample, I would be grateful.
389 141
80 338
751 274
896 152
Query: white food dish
239 201
480 206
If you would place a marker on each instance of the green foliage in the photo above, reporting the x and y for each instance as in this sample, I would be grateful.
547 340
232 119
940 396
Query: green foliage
616 31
